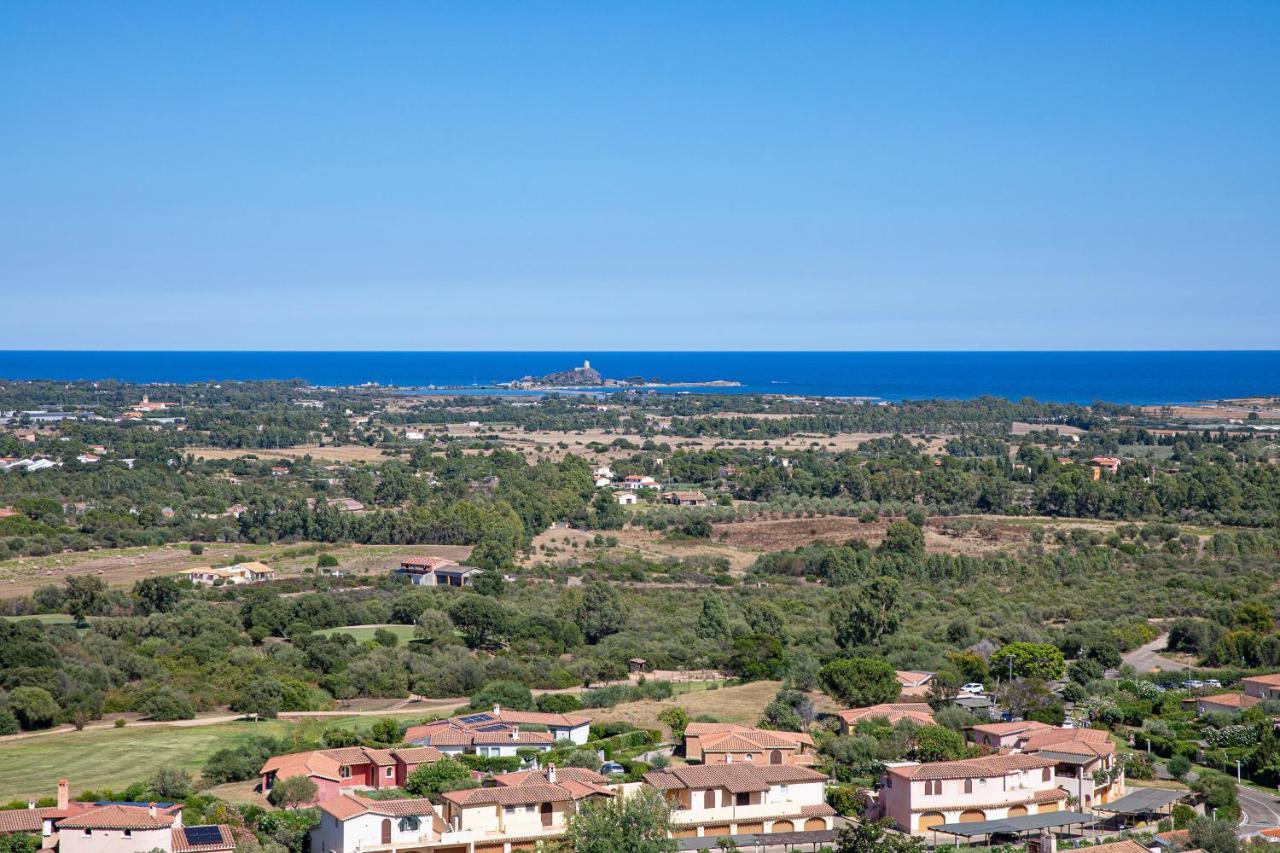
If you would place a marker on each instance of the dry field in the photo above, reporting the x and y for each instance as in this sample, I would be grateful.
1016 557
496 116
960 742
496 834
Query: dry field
125 566
742 704
546 444
1237 410
343 453
1020 428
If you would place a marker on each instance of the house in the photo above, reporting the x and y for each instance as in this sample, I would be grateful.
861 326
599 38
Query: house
1223 703
916 797
497 732
601 482
88 458
636 665
625 498
1079 754
680 498
917 712
41 821
336 771
729 743
914 683
979 706
340 504
520 809
252 572
603 471
350 823
713 800
1007 736
414 435
1110 464
129 827
279 471
148 406
1262 686
436 571
635 482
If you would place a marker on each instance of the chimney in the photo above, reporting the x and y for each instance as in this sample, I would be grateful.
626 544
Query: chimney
497 709
551 773
64 795
515 733
151 809
31 804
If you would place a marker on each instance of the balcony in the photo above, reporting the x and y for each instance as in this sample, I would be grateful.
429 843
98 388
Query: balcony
758 811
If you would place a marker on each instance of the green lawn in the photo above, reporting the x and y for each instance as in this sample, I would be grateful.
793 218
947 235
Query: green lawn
47 618
114 758
365 632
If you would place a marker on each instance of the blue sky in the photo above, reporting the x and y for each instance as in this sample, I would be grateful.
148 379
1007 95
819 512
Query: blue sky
649 175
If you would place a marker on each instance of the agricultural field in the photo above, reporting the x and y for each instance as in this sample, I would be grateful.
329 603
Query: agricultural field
361 633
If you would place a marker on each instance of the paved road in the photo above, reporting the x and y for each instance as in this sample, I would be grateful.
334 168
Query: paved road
1261 811
1146 658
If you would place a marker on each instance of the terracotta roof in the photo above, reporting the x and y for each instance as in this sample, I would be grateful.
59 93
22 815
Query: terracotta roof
522 737
182 844
1015 728
347 806
971 768
118 817
1231 700
539 777
709 733
510 795
1073 741
541 718
1272 680
908 678
735 778
426 562
325 763
920 712
27 820
817 810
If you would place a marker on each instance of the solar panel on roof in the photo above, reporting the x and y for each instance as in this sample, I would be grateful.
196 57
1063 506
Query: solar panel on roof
494 727
477 718
203 834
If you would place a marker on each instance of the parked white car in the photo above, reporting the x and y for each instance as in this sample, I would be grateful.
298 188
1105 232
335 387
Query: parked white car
973 687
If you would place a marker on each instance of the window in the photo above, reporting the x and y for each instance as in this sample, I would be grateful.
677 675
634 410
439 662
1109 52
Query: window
709 800
742 799
1048 774
344 771
933 786
391 771
508 809
128 833
968 786
409 824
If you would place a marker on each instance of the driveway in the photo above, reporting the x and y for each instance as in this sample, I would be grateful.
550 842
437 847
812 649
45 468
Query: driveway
1147 658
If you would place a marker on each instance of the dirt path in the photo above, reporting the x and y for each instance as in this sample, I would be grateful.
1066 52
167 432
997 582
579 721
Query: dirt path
1147 658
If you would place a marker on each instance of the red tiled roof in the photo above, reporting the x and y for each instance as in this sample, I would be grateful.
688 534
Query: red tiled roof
1231 700
346 806
118 817
1271 680
971 768
735 778
518 795
920 712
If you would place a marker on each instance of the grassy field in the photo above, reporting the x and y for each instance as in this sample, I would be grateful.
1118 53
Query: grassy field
114 758
365 632
47 618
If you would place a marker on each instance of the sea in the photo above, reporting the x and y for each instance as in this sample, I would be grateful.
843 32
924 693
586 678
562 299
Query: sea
1078 377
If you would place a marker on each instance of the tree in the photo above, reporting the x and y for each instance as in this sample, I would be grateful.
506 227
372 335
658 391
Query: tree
935 743
713 623
434 626
868 837
677 719
1214 836
756 656
293 791
167 704
903 537
511 695
34 707
599 613
864 614
170 783
1255 616
1179 765
261 697
860 682
83 595
480 618
764 617
386 730
157 595
640 823
432 780
19 842
1029 660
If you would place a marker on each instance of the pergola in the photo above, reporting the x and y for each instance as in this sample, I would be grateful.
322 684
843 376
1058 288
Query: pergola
1013 825
1143 801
